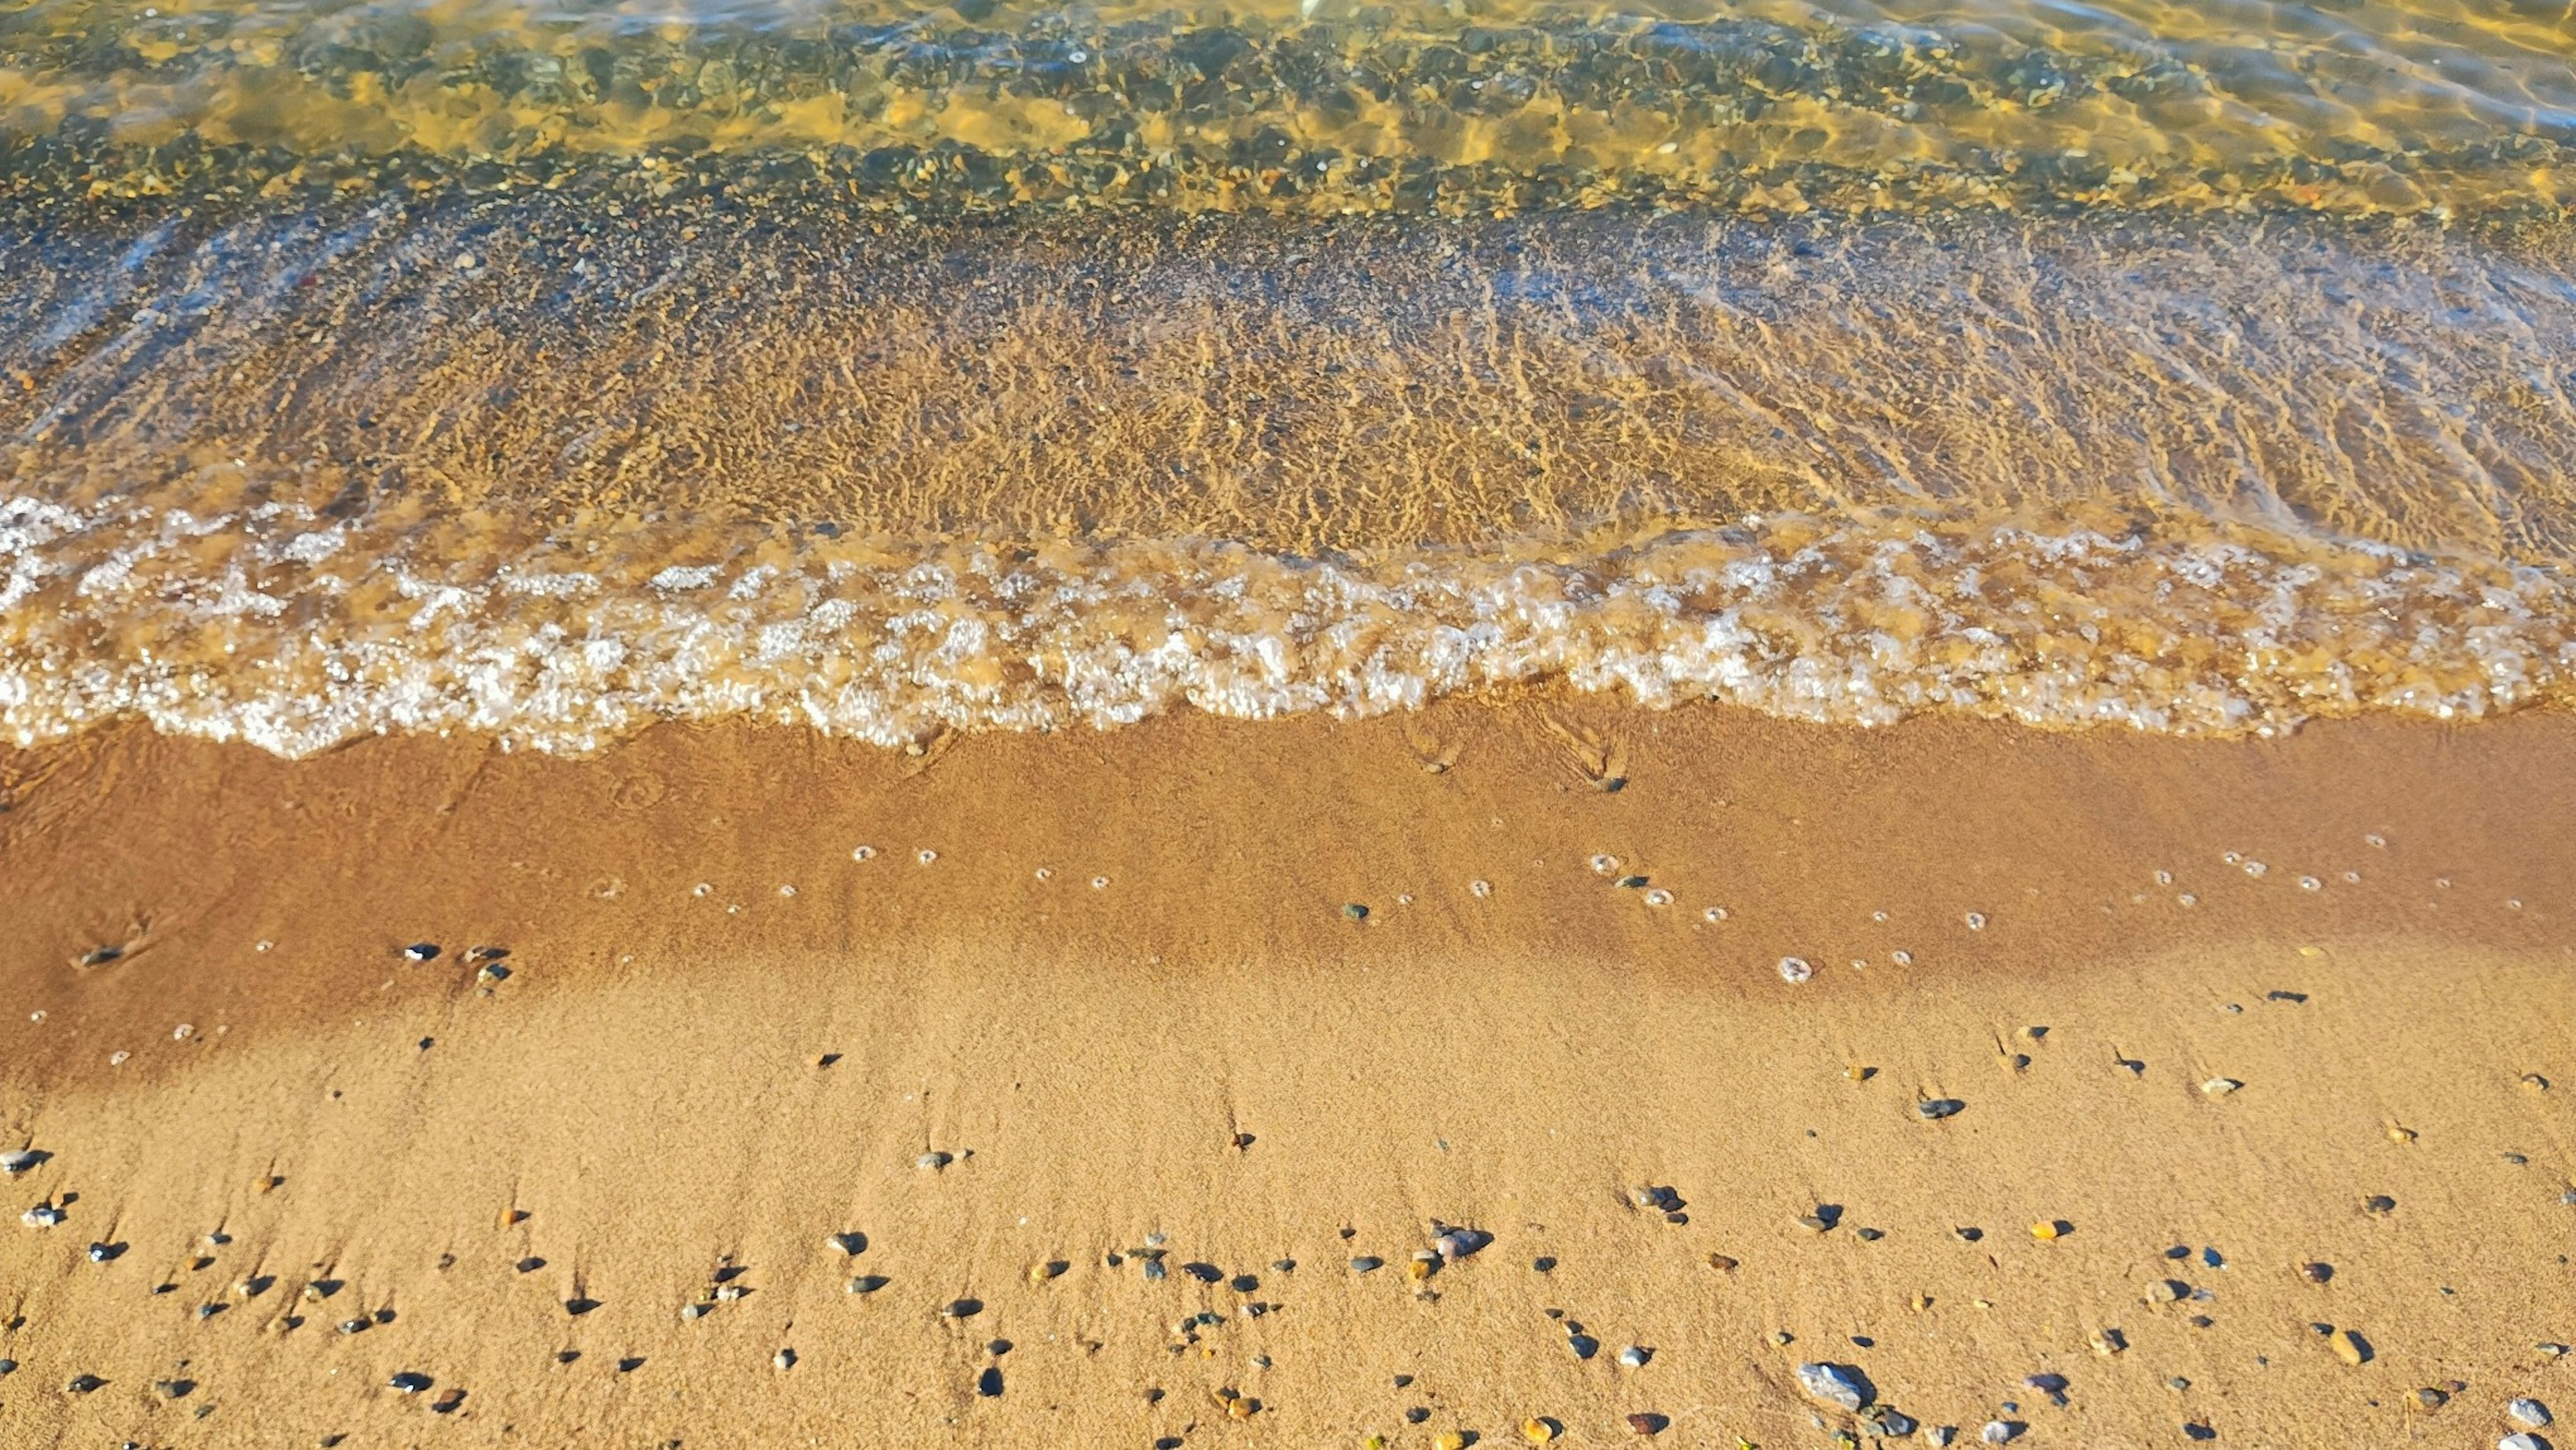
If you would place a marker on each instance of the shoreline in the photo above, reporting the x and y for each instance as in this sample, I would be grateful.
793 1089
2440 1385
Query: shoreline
648 1084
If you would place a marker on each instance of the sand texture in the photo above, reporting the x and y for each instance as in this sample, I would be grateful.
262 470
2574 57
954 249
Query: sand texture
1131 1045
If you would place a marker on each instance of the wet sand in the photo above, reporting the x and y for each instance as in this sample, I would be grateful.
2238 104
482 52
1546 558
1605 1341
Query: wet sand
1214 1062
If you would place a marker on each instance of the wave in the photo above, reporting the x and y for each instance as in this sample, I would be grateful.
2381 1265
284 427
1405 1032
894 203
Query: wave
293 632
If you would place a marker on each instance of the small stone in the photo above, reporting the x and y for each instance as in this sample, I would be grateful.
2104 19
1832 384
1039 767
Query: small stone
961 1308
1647 1423
1795 969
2050 1228
932 1162
2108 1342
1941 1434
865 1284
2219 1087
1366 1263
1450 1440
1835 1384
2428 1399
43 1215
851 1243
2529 1413
2522 1440
410 1382
2398 1134
2316 1273
81 1384
2534 1083
690 1313
784 1359
2166 1291
2350 1347
1932 1110
19 1160
1722 1263
1355 911
1040 1273
492 974
422 951
1458 1243
1889 1422
2000 1432
1636 1355
1538 1429
2379 1203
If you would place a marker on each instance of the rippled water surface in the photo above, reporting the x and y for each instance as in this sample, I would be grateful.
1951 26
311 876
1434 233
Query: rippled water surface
548 371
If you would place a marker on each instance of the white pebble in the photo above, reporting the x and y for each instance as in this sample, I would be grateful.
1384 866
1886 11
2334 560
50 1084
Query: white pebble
1605 864
1480 888
2528 1413
1659 897
863 853
926 856
1795 969
1976 921
1713 915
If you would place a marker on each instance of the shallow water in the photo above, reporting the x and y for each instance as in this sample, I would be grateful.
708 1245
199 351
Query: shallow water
548 372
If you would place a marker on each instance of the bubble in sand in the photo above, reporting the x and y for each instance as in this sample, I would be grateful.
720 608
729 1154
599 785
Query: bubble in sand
2310 883
117 1059
1099 883
786 890
926 856
2352 878
2233 858
1605 864
1480 888
2376 839
182 1032
1976 921
863 853
2164 878
702 888
1046 873
2255 868
1795 969
1713 915
1659 897
2188 899
1902 959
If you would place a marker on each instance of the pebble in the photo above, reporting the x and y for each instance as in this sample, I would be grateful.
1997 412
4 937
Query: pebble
2350 1347
1636 1355
2522 1440
410 1382
784 1359
2000 1432
1366 1263
932 1162
2316 1273
1795 969
1835 1384
2529 1413
1538 1429
961 1308
43 1215
1932 1110
2219 1087
1457 1243
422 951
851 1243
1647 1423
19 1160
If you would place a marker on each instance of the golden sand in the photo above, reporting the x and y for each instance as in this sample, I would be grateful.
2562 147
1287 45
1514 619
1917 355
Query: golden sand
1118 980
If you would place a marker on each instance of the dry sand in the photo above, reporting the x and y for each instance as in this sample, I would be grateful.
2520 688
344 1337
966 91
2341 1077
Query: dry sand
691 1076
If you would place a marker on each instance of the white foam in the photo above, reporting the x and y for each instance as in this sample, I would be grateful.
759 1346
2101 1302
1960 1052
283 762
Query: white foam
231 627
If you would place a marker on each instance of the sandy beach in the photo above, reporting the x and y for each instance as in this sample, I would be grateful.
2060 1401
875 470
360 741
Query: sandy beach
1109 1089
